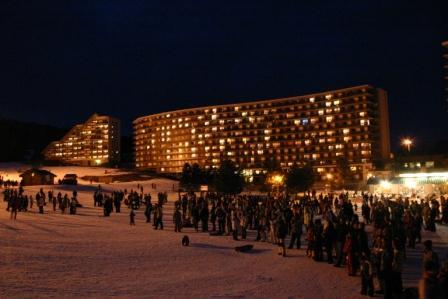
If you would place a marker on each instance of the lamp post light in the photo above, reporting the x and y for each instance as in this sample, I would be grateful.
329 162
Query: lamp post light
276 180
407 142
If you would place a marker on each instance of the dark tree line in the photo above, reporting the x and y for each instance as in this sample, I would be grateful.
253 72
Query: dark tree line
228 179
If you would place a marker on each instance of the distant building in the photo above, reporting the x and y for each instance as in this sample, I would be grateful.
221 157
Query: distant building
95 142
445 56
317 129
34 176
421 163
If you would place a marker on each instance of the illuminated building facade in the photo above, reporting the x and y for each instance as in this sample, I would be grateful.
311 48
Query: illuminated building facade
95 142
316 130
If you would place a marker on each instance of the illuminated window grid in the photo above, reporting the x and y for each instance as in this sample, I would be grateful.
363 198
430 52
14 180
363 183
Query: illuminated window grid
95 142
294 130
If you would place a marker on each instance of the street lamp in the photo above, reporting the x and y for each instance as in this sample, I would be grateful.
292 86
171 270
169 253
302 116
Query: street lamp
276 180
407 142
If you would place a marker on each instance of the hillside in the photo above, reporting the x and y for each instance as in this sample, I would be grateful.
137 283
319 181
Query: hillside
24 141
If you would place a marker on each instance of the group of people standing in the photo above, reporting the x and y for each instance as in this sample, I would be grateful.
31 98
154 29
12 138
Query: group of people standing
7 183
18 201
330 225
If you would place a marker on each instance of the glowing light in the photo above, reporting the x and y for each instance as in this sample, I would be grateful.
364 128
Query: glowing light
385 184
276 179
97 161
407 142
424 175
410 183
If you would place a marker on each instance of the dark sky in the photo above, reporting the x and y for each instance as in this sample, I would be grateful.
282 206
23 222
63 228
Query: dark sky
60 61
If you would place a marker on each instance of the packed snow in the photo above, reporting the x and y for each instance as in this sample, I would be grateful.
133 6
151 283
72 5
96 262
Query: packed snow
88 255
12 171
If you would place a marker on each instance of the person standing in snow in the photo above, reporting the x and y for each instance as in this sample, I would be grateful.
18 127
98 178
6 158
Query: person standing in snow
235 223
204 215
366 276
40 202
177 220
64 204
296 229
73 204
132 217
148 210
54 202
159 218
282 230
14 205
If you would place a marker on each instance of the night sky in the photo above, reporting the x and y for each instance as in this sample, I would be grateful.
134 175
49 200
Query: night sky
61 61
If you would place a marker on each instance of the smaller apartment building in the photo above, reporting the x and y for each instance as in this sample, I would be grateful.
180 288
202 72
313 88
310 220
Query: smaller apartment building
95 142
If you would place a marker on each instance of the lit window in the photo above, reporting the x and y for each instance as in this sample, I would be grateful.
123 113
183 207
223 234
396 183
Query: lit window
429 164
364 122
311 100
328 96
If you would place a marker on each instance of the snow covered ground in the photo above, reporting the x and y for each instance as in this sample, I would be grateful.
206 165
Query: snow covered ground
88 255
11 171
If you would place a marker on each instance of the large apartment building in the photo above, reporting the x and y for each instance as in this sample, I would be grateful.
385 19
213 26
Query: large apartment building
95 142
317 130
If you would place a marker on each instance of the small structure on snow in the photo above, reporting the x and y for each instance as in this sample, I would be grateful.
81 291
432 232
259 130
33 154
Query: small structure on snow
35 176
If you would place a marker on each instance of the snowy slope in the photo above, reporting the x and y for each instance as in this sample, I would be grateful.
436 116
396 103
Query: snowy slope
88 255
11 171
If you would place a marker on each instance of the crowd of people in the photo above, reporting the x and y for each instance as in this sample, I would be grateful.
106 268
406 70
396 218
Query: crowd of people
333 231
17 201
330 224
7 183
